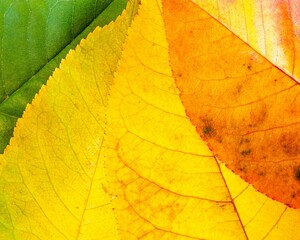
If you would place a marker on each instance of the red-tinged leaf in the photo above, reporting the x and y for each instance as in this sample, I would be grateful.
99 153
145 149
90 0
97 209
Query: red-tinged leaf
242 105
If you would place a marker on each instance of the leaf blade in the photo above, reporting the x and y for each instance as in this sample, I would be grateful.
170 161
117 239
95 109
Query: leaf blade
234 97
271 28
13 106
51 177
166 181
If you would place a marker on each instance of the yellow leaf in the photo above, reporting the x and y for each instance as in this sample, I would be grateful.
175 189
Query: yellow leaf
51 179
165 182
150 177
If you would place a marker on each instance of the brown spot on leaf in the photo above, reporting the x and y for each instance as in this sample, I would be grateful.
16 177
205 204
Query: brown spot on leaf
297 173
246 152
261 173
290 143
241 166
238 89
245 141
254 108
208 130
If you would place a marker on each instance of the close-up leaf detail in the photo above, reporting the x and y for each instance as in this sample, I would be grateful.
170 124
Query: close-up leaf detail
166 123
35 36
234 97
272 28
51 177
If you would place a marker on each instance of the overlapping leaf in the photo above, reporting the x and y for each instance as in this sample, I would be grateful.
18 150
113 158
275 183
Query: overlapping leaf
272 28
51 177
234 97
137 169
166 182
35 36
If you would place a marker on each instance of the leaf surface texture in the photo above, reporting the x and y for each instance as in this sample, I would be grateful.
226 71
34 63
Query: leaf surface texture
234 97
51 176
111 148
34 37
272 28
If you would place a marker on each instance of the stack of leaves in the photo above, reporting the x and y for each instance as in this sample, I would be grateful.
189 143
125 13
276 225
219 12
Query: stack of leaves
170 122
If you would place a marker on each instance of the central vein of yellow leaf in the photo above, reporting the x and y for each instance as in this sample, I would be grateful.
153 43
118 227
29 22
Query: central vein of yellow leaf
166 180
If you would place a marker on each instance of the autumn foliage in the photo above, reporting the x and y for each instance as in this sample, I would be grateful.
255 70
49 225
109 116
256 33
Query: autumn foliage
164 124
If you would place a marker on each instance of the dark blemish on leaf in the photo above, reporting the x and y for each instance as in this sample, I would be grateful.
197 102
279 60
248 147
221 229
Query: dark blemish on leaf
246 140
249 67
297 173
261 173
293 195
242 166
223 205
243 169
246 152
290 143
238 89
208 130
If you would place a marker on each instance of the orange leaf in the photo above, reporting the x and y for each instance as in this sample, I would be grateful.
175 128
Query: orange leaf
272 28
241 104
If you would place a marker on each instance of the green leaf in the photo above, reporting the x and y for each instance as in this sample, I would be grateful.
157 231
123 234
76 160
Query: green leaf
34 36
76 96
